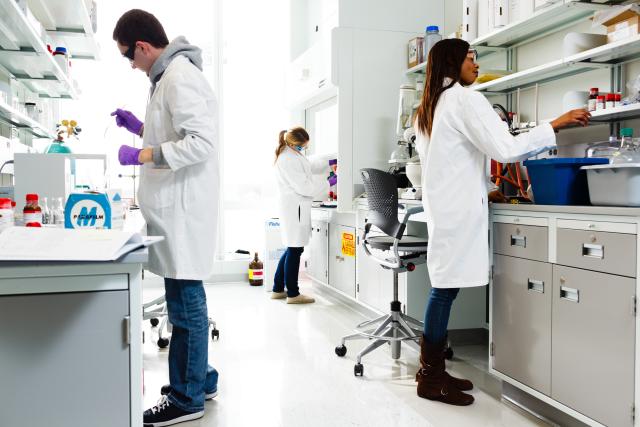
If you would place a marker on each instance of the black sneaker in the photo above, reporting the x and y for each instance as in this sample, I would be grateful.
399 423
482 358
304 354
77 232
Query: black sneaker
208 395
167 414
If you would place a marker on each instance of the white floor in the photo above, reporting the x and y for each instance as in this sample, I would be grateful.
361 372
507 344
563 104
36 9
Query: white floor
278 368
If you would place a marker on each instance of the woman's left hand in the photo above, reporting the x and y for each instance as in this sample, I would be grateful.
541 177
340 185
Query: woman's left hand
496 196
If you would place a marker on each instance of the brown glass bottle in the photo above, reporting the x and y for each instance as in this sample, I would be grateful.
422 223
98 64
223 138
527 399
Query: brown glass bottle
256 272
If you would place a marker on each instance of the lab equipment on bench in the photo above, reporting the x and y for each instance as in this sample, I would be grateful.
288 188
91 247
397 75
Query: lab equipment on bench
94 210
404 153
6 214
32 212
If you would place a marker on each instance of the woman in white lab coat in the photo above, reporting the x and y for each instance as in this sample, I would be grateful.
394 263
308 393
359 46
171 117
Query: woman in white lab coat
457 132
299 181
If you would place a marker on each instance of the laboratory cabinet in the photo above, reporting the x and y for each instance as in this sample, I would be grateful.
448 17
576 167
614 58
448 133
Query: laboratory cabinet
71 334
342 259
563 309
522 320
317 260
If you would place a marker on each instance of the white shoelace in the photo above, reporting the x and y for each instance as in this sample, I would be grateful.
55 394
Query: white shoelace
162 404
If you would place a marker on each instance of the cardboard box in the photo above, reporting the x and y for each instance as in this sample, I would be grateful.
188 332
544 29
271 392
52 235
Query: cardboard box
624 28
416 52
621 22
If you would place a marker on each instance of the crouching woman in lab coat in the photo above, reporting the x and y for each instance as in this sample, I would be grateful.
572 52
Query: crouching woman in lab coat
299 180
457 131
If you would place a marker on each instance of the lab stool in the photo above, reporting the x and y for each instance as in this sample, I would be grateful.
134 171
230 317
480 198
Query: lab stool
155 310
402 253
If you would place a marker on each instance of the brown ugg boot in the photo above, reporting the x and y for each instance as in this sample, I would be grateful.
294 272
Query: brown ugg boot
433 381
459 383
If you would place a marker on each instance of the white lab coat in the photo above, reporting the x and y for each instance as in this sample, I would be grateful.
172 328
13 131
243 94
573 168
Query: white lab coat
299 180
454 161
180 201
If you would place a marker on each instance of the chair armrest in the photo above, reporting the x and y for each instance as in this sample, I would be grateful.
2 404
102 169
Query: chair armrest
412 211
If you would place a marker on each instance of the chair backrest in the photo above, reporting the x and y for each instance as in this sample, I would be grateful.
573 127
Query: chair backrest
382 196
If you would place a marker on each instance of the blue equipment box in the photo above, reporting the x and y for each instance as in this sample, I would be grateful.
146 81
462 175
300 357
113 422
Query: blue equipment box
87 211
560 181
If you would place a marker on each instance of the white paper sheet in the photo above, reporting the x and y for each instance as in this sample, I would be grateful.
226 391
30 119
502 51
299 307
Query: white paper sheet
59 244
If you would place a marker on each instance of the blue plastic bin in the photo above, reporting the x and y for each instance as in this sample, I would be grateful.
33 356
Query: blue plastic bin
560 181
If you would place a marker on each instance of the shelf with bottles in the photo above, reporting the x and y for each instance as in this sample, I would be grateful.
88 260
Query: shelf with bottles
23 121
606 55
70 23
543 22
25 55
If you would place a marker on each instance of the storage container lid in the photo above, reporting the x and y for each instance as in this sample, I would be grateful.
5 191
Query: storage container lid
5 204
626 132
433 28
567 161
612 166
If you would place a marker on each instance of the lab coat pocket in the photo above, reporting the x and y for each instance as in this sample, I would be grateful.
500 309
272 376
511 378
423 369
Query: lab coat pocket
304 213
157 187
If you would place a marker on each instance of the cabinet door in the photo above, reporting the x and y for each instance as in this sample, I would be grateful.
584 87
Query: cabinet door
342 258
374 283
64 361
318 252
593 344
522 321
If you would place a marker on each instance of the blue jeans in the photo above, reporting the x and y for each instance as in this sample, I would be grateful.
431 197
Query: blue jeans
189 373
436 317
287 272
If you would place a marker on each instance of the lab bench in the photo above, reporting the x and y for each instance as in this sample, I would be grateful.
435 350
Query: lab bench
71 343
563 315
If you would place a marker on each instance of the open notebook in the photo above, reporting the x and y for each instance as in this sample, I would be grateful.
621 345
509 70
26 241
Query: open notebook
59 244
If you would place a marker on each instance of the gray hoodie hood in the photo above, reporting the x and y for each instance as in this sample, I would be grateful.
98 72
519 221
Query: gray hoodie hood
178 47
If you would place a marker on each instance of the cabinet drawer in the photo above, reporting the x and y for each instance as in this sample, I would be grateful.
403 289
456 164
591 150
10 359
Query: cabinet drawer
523 241
593 344
613 227
521 220
599 251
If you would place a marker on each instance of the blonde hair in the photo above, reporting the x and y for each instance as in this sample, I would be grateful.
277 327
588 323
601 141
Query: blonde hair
293 137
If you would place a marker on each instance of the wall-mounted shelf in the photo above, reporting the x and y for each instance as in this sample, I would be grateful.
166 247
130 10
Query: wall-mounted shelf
599 57
24 54
625 112
550 19
21 120
68 23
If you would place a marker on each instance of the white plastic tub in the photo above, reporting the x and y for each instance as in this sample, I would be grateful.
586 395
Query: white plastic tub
614 184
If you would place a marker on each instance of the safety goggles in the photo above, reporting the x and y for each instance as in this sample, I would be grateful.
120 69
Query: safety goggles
130 53
472 54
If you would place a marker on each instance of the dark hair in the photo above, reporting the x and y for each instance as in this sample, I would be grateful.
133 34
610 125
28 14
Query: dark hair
445 60
295 136
139 26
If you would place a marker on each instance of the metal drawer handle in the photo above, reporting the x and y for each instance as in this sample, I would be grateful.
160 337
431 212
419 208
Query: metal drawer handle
535 286
593 251
339 258
519 241
570 294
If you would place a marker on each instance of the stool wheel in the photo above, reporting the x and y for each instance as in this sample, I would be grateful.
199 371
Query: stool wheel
341 350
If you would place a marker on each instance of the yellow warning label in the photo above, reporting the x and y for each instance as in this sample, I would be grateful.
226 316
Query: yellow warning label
348 244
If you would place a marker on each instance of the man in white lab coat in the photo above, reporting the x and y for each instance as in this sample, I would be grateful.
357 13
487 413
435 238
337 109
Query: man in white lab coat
178 196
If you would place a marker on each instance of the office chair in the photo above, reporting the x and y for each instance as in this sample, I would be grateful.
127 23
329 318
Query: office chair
156 310
406 252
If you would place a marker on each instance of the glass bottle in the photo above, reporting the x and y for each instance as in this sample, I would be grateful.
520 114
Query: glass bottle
58 213
46 211
256 272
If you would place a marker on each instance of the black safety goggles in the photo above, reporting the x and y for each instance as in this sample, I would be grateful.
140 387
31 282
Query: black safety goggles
130 53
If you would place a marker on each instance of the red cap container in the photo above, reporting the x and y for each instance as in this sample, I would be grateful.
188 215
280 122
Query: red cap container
32 197
611 97
601 98
5 204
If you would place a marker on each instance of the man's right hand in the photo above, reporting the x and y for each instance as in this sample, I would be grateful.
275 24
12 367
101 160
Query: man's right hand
128 120
579 117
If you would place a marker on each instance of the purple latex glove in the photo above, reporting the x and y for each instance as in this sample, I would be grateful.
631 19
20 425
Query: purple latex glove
333 180
127 120
129 155
333 162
